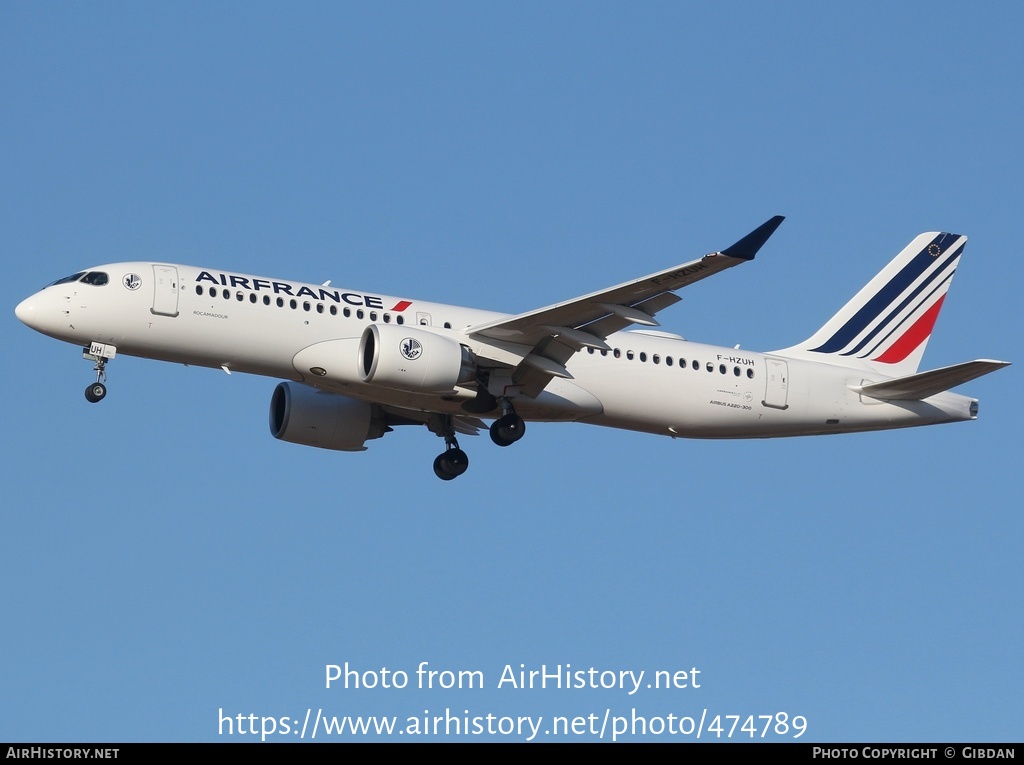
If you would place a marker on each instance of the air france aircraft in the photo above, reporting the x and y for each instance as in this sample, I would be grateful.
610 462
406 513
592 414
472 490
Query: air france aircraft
357 364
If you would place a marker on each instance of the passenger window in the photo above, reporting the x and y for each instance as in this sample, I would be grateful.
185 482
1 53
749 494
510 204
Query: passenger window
400 319
643 356
629 355
750 373
199 290
710 367
695 365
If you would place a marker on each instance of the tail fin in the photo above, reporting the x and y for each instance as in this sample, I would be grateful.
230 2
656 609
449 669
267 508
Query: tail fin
886 326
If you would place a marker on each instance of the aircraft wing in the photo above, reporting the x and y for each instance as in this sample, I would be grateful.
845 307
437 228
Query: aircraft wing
558 331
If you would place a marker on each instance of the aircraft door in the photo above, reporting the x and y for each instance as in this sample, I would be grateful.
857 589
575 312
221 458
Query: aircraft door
777 384
165 290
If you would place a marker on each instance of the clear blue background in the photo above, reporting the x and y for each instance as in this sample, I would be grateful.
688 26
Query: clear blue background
162 557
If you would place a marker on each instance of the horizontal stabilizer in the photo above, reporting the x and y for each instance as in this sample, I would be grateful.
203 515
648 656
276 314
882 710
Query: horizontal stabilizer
924 384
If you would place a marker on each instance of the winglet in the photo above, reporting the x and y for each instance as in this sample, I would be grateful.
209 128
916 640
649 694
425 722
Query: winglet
747 247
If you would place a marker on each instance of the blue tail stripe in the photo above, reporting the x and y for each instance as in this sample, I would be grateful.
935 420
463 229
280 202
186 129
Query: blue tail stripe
922 261
895 329
926 284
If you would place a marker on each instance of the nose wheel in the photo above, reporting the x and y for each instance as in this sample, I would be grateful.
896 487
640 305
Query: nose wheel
95 392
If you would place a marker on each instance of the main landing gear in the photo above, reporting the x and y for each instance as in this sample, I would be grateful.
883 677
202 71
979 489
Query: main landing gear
508 428
452 462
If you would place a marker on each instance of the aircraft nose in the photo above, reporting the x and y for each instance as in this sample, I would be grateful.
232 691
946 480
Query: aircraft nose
27 311
37 311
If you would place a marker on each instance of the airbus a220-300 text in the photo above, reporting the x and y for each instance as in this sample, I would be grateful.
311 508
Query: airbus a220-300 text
357 364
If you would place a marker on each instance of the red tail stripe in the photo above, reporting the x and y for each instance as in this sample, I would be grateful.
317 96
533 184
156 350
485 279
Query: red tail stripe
913 337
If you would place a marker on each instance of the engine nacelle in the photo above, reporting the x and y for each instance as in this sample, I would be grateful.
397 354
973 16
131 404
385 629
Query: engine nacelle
304 415
412 359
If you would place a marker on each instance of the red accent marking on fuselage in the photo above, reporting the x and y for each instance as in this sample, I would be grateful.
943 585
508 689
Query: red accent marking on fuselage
401 305
913 337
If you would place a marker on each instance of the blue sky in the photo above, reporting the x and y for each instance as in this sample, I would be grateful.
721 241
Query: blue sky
163 558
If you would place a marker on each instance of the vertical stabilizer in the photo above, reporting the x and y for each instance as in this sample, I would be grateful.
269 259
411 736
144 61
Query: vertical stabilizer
886 326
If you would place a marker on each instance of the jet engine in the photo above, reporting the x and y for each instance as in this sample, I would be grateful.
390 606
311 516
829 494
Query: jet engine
412 359
304 415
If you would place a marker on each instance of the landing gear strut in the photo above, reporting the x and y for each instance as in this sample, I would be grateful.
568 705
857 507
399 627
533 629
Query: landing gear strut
508 428
452 462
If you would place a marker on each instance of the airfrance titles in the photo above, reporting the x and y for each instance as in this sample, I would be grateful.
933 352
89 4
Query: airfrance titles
253 284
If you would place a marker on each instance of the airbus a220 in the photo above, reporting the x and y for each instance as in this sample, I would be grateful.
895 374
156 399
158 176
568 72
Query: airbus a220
357 364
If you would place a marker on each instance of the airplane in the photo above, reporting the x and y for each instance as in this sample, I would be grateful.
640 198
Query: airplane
356 364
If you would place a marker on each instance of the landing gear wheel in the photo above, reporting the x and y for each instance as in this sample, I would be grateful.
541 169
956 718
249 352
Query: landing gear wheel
451 464
95 392
508 429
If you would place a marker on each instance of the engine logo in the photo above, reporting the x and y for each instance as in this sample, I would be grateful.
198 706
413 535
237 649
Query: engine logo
411 348
132 281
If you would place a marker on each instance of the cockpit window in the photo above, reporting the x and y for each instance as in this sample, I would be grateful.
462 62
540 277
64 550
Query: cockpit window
95 278
68 279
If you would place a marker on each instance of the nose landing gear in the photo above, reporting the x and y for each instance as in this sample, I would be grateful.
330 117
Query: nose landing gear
99 354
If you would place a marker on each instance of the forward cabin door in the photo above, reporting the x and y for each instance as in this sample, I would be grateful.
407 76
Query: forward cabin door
165 290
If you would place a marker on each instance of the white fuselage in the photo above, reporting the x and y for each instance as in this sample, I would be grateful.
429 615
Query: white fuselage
647 381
